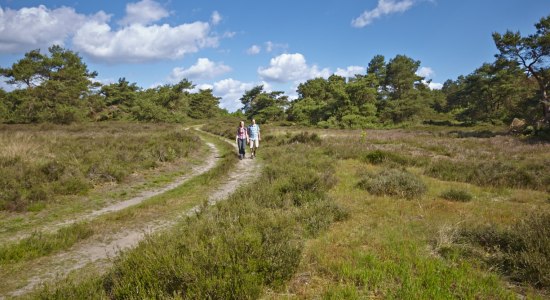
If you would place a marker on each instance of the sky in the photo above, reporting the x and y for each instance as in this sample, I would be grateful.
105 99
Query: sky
233 46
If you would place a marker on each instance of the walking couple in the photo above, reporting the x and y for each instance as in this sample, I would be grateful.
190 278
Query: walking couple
248 135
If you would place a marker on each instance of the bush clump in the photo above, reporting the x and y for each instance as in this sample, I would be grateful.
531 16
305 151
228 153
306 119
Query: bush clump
377 157
393 182
521 251
456 195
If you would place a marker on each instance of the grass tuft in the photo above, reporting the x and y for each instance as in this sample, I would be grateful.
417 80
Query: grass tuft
394 182
453 194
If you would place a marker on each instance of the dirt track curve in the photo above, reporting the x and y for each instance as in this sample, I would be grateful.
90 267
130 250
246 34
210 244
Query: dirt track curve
100 252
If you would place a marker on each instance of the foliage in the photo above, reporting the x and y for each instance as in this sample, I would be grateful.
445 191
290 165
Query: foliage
456 195
493 173
532 53
264 106
70 163
521 251
232 250
393 182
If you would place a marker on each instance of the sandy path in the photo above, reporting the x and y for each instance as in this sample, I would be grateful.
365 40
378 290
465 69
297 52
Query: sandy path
99 252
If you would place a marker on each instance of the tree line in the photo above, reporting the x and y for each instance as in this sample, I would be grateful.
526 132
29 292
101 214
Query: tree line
515 85
58 87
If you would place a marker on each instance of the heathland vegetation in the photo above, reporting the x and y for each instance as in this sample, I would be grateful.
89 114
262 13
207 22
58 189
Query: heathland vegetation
435 199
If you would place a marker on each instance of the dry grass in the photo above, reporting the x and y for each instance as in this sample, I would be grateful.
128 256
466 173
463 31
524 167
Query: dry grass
391 248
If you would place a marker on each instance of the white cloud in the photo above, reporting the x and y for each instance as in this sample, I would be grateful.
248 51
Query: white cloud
204 68
144 12
253 50
385 7
139 43
350 71
5 86
291 67
426 72
435 85
230 91
270 46
216 18
39 27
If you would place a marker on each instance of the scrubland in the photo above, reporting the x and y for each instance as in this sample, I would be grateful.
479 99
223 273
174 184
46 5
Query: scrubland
418 213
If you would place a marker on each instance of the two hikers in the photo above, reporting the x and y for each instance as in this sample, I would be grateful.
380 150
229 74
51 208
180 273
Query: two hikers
248 135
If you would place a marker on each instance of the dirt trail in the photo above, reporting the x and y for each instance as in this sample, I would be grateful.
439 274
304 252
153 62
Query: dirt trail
99 252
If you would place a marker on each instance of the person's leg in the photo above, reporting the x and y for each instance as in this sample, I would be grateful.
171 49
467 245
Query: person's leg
252 148
241 148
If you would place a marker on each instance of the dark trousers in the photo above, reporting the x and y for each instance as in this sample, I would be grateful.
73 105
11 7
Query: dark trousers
242 146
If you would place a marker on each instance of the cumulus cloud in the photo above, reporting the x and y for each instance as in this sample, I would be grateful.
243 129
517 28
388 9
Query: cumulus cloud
203 69
139 43
144 12
426 72
216 18
253 50
350 71
137 40
291 67
230 91
435 85
39 27
385 7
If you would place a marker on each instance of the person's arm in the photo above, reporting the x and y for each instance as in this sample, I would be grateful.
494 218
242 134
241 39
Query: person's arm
259 136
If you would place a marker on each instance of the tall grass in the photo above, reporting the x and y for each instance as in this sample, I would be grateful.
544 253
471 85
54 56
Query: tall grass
493 173
393 182
37 164
521 251
235 249
40 244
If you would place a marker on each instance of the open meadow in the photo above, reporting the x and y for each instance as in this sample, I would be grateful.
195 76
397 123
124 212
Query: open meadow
337 214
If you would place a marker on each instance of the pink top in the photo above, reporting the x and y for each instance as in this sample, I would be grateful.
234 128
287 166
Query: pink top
241 133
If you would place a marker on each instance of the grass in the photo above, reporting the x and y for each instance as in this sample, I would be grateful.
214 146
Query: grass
322 221
43 164
383 250
40 244
21 256
393 182
453 194
235 249
521 251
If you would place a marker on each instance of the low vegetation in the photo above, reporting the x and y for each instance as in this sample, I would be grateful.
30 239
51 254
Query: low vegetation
393 182
235 249
40 163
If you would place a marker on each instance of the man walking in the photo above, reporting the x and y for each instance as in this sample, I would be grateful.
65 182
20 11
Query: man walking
254 136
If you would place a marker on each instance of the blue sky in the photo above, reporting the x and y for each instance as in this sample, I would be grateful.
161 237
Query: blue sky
231 46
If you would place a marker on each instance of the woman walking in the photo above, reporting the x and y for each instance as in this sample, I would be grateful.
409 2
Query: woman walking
241 139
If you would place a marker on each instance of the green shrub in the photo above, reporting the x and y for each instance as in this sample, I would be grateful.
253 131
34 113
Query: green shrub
521 251
456 195
493 173
394 182
377 157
